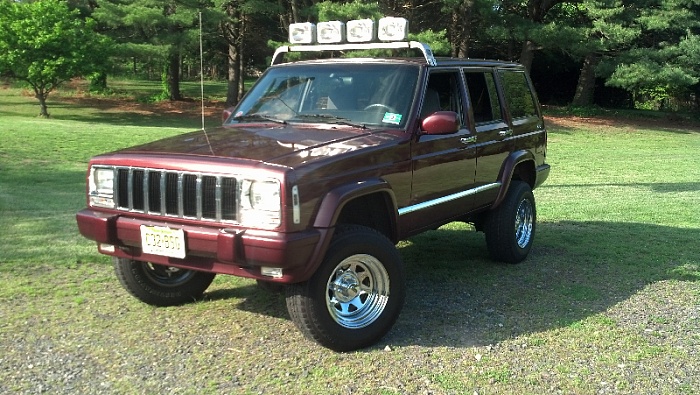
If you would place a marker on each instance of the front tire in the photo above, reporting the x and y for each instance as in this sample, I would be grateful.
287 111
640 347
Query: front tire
161 285
356 294
510 229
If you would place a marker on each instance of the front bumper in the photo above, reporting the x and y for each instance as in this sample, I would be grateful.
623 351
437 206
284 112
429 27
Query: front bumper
236 251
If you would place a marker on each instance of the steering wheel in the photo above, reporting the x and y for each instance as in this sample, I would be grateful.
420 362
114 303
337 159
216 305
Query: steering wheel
379 106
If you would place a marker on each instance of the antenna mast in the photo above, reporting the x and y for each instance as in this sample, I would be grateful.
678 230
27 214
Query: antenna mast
201 67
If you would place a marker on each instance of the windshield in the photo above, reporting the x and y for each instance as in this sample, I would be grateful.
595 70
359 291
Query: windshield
362 95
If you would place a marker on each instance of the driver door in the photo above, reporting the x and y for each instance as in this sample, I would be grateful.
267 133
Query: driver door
443 165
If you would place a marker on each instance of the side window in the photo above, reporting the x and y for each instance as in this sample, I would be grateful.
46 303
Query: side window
483 96
517 93
443 94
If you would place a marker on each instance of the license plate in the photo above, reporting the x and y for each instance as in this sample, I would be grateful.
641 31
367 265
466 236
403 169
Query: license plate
163 241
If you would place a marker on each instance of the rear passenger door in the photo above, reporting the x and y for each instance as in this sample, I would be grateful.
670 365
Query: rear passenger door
493 132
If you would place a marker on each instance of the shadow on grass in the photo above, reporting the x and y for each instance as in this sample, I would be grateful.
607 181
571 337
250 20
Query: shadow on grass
457 297
662 187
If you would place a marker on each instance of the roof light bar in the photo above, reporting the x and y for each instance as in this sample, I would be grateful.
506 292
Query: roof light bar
355 31
359 34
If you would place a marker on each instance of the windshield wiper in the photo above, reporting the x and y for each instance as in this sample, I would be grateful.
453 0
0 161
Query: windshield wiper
258 117
328 118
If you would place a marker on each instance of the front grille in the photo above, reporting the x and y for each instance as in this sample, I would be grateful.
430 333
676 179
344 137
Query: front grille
176 194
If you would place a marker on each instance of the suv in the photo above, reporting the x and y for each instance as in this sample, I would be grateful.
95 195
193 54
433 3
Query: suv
316 175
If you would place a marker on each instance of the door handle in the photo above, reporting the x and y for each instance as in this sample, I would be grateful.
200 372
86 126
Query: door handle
505 133
467 140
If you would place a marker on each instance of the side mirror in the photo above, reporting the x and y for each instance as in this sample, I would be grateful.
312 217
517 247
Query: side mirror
441 122
226 113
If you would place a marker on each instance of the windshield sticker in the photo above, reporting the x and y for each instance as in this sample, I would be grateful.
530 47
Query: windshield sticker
390 117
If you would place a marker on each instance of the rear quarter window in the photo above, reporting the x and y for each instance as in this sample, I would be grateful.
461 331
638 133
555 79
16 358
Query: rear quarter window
517 93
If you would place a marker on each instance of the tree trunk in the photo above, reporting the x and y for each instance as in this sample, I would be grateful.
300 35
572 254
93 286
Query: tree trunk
174 76
527 54
460 27
234 76
586 81
43 109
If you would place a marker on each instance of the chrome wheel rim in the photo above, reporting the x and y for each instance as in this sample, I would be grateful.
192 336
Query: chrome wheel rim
357 291
524 221
167 276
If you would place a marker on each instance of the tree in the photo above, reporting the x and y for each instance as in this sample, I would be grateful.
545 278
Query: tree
661 65
44 43
606 28
153 29
245 26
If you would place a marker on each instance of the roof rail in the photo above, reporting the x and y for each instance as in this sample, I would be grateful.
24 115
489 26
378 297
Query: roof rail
424 48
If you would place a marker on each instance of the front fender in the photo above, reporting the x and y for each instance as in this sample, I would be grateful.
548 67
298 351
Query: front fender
329 210
333 202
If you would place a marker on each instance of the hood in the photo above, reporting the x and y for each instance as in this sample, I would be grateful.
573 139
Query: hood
286 145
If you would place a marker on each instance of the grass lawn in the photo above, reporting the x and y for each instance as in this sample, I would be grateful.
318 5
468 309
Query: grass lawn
607 302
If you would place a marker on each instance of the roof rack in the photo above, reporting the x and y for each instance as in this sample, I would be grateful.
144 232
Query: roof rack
424 48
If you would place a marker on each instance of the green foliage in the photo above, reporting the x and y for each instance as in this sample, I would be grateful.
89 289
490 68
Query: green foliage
44 44
436 40
332 11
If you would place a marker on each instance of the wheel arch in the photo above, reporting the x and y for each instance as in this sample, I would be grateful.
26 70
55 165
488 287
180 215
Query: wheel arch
519 165
370 203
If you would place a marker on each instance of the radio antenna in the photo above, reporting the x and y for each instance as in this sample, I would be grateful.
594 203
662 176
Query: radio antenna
201 67
201 81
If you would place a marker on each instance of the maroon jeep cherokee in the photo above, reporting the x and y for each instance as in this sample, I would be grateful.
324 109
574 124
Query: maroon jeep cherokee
316 175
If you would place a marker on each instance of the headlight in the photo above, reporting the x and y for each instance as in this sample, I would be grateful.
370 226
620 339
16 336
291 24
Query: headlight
261 203
101 191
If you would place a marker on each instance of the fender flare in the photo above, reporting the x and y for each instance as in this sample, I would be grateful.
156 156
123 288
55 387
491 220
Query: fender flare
332 205
333 202
509 165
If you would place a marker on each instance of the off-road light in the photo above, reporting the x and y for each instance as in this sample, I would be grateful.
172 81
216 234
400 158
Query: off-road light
330 32
393 29
302 33
360 30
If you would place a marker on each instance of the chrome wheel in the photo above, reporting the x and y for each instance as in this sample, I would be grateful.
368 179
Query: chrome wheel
357 291
510 228
524 218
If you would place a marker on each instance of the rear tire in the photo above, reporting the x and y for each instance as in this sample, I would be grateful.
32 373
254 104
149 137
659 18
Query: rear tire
161 285
356 294
510 229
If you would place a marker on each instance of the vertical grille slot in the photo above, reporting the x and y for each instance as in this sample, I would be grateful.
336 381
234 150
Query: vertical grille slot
189 195
136 189
172 198
228 199
209 197
154 192
177 194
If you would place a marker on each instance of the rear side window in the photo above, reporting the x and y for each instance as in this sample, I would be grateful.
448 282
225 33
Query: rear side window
483 96
518 95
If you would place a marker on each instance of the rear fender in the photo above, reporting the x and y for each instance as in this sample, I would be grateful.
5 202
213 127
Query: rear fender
508 172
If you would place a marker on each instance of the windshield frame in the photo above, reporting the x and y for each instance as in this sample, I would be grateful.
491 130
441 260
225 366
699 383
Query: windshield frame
379 94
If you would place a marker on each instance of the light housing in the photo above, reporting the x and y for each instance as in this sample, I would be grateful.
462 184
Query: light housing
101 187
330 32
360 30
302 33
260 203
392 29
